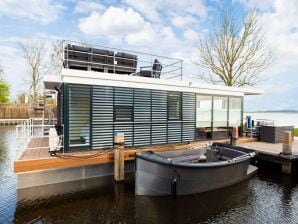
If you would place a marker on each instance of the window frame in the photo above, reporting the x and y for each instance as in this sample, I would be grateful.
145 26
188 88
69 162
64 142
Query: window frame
131 119
180 106
66 117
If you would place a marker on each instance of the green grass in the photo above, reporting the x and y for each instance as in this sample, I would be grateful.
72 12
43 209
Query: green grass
296 132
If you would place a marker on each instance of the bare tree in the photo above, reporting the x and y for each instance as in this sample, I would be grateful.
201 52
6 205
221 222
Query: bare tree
56 57
233 53
34 54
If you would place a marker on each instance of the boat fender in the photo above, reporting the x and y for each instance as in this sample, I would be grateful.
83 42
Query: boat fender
174 187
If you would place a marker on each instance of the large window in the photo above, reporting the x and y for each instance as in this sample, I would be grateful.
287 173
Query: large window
79 115
220 117
123 113
204 117
235 115
174 105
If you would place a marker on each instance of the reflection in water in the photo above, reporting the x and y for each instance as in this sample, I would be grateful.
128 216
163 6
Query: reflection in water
7 178
190 209
106 204
266 198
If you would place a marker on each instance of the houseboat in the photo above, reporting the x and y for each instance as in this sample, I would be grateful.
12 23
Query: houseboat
103 91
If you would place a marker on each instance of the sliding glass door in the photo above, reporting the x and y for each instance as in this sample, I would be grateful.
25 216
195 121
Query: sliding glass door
204 117
216 114
220 117
235 112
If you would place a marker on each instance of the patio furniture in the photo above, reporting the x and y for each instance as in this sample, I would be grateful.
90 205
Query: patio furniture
101 59
255 131
153 73
125 63
76 57
274 134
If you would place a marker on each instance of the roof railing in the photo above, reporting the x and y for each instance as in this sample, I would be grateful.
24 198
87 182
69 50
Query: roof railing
89 57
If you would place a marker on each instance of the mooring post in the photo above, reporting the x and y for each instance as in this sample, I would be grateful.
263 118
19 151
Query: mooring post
287 150
119 157
287 143
235 136
287 167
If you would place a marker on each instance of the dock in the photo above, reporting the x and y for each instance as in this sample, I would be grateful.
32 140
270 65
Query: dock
36 163
36 167
272 152
37 157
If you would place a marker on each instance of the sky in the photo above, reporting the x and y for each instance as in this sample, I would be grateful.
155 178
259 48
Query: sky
165 27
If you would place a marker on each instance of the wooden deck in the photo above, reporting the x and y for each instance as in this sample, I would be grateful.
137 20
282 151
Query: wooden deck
273 153
37 148
270 148
37 157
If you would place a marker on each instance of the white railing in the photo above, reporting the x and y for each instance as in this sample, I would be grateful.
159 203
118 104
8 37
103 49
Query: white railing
28 131
108 60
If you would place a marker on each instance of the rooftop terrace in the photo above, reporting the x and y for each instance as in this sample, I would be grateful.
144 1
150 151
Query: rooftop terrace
99 65
87 57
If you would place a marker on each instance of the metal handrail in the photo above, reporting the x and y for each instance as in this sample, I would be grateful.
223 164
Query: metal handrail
172 67
118 49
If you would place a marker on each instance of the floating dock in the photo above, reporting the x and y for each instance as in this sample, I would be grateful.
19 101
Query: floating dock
272 152
35 166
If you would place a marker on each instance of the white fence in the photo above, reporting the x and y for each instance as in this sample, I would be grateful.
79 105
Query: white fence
47 135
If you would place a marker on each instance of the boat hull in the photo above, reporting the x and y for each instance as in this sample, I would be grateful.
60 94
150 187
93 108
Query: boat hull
160 179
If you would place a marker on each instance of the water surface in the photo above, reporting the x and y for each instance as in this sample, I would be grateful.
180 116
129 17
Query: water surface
268 197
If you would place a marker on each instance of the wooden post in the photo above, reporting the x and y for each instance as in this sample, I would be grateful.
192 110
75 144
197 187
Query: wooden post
235 136
287 143
119 157
287 167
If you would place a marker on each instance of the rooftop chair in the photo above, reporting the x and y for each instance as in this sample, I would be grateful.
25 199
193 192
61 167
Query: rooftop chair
153 73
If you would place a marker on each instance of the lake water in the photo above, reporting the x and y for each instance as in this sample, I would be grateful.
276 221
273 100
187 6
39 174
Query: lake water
266 198
279 118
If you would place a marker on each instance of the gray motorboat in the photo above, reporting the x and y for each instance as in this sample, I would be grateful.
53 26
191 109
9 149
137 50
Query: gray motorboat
193 170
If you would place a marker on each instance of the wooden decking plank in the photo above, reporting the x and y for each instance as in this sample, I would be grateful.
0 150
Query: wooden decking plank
270 148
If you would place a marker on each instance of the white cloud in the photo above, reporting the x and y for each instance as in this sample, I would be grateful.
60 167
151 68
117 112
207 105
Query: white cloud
158 10
182 21
281 25
86 6
191 35
40 11
145 36
146 7
113 23
127 26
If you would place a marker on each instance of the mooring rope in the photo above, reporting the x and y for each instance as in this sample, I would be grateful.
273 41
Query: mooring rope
64 156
